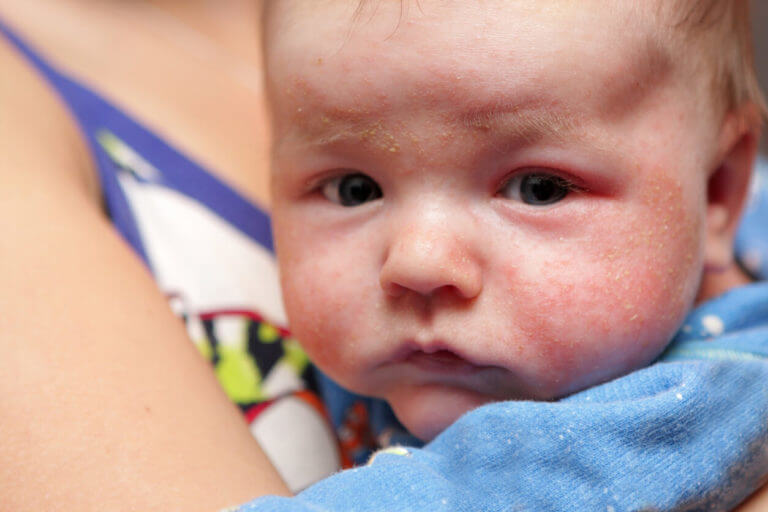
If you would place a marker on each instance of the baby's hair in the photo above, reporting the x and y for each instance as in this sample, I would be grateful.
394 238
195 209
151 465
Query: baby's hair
724 32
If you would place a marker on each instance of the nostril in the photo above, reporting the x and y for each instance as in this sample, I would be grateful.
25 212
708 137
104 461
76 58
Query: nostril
394 290
449 290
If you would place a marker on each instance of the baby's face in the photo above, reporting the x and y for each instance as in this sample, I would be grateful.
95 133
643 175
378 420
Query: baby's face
476 201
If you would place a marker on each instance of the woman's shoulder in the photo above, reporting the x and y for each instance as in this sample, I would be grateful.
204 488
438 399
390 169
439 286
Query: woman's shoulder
168 76
37 129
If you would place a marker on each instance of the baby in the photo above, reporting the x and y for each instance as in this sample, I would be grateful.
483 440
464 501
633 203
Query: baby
511 200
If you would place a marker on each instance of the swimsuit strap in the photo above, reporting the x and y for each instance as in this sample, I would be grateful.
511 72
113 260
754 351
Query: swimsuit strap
83 105
116 139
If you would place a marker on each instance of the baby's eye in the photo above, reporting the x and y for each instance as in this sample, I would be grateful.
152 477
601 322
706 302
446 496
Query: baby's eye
351 189
537 189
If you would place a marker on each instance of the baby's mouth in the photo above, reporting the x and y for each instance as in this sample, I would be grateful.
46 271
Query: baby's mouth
440 361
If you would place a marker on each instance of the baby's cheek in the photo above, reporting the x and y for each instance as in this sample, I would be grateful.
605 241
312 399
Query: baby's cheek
311 301
666 251
324 298
603 305
586 328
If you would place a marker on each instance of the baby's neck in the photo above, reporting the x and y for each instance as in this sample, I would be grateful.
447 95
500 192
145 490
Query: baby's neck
715 283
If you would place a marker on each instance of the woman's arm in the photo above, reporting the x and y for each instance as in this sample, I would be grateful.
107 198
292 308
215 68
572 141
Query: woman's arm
105 403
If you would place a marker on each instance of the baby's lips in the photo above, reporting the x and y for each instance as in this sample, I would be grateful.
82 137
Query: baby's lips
437 357
441 362
408 348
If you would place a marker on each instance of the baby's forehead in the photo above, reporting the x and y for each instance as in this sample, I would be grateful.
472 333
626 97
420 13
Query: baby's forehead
499 52
336 20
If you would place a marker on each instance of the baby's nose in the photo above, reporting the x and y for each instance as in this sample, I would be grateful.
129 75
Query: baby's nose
428 260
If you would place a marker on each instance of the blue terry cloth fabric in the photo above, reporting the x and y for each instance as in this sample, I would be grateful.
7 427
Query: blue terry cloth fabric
690 433
752 237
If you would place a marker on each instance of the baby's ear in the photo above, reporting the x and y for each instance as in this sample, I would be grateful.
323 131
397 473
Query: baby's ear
728 183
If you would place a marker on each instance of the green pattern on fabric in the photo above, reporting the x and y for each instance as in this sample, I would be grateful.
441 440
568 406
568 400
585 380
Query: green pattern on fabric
124 156
239 376
267 333
204 347
295 355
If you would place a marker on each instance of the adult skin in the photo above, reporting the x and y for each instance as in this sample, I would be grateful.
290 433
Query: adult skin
90 422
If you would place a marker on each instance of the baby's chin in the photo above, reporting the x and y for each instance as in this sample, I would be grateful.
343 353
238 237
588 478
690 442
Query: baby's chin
429 409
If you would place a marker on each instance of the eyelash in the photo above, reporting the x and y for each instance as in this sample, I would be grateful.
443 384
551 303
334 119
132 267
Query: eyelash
547 178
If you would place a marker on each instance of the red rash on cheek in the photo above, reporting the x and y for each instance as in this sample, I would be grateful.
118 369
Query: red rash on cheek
316 319
595 306
325 294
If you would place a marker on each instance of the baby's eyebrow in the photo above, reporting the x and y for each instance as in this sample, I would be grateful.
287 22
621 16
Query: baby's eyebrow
510 126
526 123
329 128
